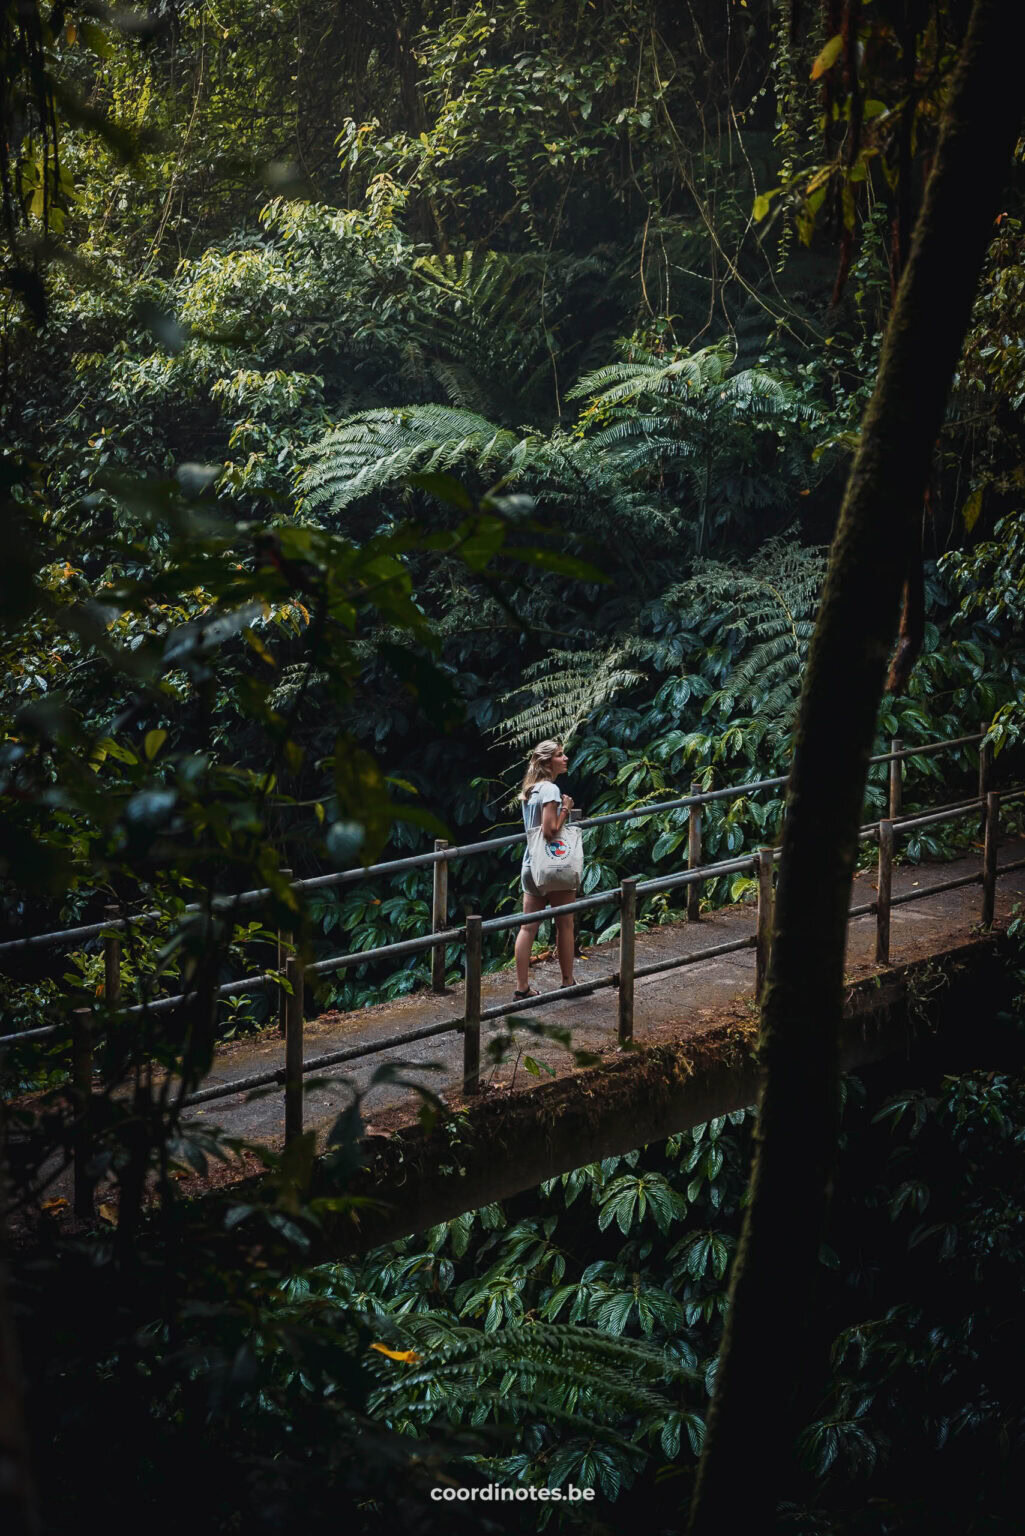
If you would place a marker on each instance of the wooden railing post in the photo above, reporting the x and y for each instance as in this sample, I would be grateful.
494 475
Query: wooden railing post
111 961
763 925
295 1002
284 950
985 763
471 1011
627 934
896 778
81 1098
439 916
989 859
694 855
884 884
985 772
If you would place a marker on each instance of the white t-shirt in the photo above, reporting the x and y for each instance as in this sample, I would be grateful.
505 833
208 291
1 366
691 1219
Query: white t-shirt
533 806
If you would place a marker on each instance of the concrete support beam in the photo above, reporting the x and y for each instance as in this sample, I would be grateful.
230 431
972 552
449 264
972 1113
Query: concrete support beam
510 1144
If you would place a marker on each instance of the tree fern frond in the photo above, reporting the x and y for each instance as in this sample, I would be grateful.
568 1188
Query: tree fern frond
769 607
491 322
567 688
539 1364
620 382
461 386
377 450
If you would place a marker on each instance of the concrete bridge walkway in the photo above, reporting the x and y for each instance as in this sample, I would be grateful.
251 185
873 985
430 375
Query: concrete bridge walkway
669 1008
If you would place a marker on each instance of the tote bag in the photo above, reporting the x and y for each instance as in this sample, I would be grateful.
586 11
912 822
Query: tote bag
556 864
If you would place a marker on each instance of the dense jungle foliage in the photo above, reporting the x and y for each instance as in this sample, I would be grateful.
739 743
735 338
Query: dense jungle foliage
381 390
587 257
923 1263
569 1337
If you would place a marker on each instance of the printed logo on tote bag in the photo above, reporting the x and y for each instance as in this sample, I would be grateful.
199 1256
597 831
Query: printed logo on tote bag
557 865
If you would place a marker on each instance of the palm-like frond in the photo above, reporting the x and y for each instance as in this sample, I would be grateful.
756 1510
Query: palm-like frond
376 450
489 334
644 374
769 608
544 1369
699 380
566 688
677 425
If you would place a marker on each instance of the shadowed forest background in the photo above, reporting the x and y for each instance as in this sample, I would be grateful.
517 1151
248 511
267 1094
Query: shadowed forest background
385 388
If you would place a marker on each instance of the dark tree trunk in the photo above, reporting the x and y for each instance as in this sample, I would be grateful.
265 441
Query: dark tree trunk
18 1515
17 1505
763 1368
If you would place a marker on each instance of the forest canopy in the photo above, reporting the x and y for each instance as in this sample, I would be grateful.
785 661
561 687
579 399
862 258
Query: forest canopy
629 265
384 388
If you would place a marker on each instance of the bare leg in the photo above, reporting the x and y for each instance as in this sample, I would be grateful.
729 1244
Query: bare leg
564 935
525 941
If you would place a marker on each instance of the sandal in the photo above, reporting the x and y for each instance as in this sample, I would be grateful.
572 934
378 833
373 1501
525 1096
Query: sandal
530 992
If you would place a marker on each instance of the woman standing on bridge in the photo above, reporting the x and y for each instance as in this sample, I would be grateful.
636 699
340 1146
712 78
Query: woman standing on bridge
545 807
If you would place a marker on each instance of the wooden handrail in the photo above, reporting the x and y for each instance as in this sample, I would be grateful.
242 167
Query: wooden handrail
689 877
442 852
295 1069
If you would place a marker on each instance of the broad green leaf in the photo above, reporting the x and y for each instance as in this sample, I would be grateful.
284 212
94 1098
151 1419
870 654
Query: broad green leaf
254 641
971 509
828 57
761 204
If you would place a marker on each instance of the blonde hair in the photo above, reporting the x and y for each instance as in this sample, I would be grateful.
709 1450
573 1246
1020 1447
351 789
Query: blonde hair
539 766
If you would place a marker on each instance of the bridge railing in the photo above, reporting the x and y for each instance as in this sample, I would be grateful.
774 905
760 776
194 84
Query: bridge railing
469 936
444 854
441 936
115 925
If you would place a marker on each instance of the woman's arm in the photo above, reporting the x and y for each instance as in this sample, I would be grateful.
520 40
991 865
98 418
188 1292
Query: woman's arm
554 817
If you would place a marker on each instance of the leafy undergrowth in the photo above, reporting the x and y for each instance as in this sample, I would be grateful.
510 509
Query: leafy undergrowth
920 1275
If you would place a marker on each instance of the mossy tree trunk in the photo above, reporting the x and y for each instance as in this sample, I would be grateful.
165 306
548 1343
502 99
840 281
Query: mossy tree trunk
764 1367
